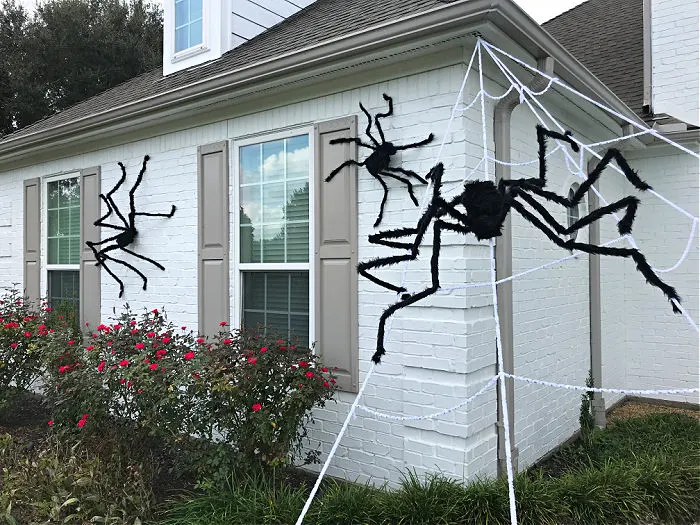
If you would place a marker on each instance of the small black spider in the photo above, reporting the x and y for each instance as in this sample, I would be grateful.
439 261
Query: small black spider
487 206
378 161
128 231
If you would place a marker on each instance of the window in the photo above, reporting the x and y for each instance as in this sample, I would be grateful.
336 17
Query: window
188 24
274 234
63 242
573 213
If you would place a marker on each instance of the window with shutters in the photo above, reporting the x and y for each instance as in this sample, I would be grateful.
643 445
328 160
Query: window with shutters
61 240
273 241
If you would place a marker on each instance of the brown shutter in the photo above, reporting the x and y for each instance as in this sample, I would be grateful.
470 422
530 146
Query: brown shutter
32 238
213 236
336 252
90 291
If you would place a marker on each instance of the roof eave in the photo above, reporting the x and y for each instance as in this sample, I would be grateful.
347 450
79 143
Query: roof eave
462 15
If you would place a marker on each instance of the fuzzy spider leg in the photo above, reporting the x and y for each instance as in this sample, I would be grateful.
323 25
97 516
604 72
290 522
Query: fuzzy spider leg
624 226
100 221
101 262
408 173
542 134
379 115
111 192
146 214
417 144
408 299
594 175
102 241
381 239
384 197
347 140
350 162
144 258
104 255
405 181
638 257
369 126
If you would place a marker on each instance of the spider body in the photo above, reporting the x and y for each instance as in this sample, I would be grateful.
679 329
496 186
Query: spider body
487 205
127 230
378 163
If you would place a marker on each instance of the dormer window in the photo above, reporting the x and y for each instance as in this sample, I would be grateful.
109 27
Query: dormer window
188 24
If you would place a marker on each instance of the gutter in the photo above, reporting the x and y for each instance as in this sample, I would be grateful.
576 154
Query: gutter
504 263
452 19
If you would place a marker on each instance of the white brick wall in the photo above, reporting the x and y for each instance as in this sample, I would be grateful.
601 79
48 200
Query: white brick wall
676 58
440 350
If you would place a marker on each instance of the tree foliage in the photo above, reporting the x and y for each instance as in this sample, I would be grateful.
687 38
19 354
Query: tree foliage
69 50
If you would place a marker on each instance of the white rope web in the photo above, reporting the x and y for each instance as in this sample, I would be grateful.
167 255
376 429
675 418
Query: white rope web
575 166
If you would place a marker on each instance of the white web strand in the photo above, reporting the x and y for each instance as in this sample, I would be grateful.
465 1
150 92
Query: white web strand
499 346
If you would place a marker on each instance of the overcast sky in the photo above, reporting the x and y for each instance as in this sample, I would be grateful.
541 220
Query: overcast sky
540 10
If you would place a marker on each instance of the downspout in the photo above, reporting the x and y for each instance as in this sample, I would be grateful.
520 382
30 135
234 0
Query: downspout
595 308
504 261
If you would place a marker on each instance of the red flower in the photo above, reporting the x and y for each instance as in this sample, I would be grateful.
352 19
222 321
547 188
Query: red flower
151 334
62 369
48 308
135 331
252 360
139 391
183 328
227 341
280 341
166 340
122 381
263 350
303 364
160 354
82 422
154 366
85 416
101 327
117 326
256 407
324 370
333 381
139 346
326 384
200 340
154 311
42 327
132 322
27 334
71 342
90 348
129 383
110 343
222 323
309 374
101 366
13 345
189 355
50 422
124 362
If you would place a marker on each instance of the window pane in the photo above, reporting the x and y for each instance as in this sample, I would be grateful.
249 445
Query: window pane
273 202
297 206
53 251
181 38
195 9
250 243
250 164
251 205
181 12
273 160
63 222
298 242
298 157
277 301
196 33
273 243
64 291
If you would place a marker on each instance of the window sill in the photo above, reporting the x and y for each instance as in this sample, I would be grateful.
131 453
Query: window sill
189 53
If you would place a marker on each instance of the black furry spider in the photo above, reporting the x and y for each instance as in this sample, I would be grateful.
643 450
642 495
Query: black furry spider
378 161
128 231
487 206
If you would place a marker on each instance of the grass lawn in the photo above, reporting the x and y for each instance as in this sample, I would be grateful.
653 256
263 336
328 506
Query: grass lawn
643 469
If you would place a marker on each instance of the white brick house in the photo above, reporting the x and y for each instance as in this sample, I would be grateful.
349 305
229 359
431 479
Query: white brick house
220 104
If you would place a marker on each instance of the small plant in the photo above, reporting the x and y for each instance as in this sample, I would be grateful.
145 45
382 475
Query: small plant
586 418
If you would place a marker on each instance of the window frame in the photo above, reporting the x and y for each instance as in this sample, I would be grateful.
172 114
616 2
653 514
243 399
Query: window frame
44 226
196 49
237 267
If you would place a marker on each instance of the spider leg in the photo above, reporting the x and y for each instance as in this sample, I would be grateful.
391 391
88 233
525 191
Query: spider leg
629 204
542 134
417 144
384 197
438 227
139 178
172 212
144 258
379 115
369 125
346 140
408 173
344 164
101 262
124 263
103 241
405 181
639 259
381 239
594 175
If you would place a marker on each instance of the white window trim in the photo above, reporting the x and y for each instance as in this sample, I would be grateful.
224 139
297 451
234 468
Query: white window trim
239 267
44 258
184 54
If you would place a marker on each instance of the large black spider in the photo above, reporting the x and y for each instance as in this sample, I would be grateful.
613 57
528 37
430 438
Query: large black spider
128 231
487 206
378 161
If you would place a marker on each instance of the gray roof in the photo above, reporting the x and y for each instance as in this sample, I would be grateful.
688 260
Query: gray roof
607 36
318 22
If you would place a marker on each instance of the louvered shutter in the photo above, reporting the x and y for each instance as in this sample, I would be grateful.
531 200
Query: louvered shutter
90 283
32 238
